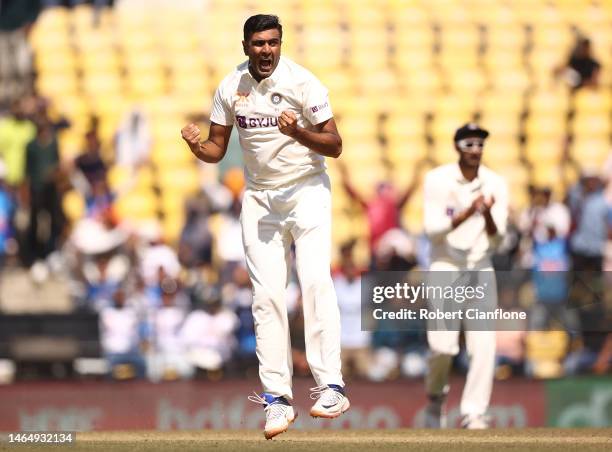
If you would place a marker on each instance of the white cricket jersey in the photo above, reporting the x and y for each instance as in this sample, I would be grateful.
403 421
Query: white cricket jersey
271 158
447 193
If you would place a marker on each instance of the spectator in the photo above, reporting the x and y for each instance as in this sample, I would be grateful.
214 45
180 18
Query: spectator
229 240
42 175
383 211
169 361
354 342
7 206
121 339
16 131
195 246
90 163
581 69
133 140
239 296
551 283
590 213
156 256
208 332
98 267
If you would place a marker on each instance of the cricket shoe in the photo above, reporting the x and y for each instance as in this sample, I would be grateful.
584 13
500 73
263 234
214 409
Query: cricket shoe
434 412
331 401
279 413
475 422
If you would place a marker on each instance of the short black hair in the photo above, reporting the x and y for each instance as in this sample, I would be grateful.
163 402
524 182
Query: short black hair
261 22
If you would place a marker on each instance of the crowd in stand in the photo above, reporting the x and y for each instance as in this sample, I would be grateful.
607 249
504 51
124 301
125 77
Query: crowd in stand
183 310
180 310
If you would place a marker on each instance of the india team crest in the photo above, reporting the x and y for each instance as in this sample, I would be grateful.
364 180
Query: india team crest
276 98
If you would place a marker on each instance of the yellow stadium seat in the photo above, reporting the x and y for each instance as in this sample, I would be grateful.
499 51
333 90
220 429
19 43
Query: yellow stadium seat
453 58
172 226
338 83
73 205
595 125
544 150
403 152
543 102
510 37
467 80
329 43
592 101
141 180
500 60
173 153
102 84
514 81
366 178
501 124
501 102
423 83
545 350
57 85
61 61
357 127
455 106
359 152
93 39
184 180
146 85
459 37
106 61
406 15
550 125
500 149
589 151
553 37
138 204
404 126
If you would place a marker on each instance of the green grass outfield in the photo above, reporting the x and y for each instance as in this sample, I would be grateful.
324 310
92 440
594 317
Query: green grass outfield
544 439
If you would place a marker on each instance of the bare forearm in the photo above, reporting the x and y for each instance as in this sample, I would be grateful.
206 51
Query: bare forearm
490 225
207 151
324 143
461 217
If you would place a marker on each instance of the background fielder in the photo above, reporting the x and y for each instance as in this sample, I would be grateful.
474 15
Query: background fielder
286 127
466 212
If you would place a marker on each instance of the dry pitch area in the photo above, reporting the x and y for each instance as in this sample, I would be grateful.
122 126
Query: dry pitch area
340 441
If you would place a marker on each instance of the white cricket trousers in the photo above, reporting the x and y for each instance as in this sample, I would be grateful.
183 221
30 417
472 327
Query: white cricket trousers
271 220
480 346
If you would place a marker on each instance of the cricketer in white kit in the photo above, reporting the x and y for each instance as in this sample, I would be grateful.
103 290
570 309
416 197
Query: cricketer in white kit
466 212
286 129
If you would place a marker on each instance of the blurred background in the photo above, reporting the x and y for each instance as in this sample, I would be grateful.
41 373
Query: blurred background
123 288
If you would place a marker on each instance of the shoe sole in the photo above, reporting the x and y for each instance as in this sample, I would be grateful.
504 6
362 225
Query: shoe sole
272 433
322 414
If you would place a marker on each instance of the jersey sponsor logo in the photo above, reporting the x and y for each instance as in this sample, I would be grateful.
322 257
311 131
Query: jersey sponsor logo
256 122
276 98
316 108
242 101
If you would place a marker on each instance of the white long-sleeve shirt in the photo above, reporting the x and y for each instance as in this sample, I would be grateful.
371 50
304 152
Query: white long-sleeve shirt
447 193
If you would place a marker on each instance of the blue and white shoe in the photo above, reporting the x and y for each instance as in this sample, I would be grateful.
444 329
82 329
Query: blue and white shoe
279 413
331 401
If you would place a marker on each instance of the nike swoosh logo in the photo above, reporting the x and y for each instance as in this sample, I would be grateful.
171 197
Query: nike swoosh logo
329 406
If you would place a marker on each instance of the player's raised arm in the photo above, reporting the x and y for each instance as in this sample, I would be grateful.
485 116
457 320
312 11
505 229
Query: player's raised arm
324 140
213 149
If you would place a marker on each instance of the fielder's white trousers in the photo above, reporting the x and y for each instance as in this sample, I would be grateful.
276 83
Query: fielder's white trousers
271 220
481 350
